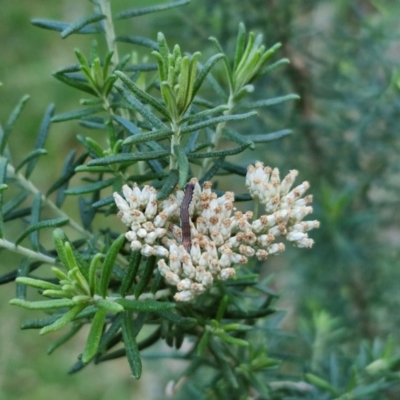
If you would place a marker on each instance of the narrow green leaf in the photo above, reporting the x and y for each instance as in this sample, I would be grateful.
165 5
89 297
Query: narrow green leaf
75 328
78 366
213 169
42 305
142 95
158 281
68 255
136 12
11 121
247 73
131 271
190 144
134 130
169 185
176 319
238 138
225 366
169 98
220 153
68 68
270 102
68 171
128 125
145 276
92 187
76 114
246 54
37 283
147 177
57 293
74 82
205 70
273 66
110 334
34 221
59 238
161 66
140 108
104 202
217 120
14 202
183 165
240 45
32 156
202 145
93 340
129 157
109 264
192 78
227 67
203 344
139 40
249 314
23 271
88 312
40 323
148 67
232 340
107 63
271 51
205 113
321 383
80 23
41 140
183 85
222 308
81 289
266 137
3 175
94 265
145 343
145 305
50 223
109 305
85 168
93 146
132 350
149 136
61 26
64 320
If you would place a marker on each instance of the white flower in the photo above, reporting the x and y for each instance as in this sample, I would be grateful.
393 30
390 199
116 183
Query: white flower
220 236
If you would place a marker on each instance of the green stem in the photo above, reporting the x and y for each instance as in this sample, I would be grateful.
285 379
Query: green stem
256 208
175 140
217 137
112 46
144 296
33 255
28 185
109 30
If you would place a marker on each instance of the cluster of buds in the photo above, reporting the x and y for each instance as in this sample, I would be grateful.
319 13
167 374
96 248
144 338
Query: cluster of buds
220 236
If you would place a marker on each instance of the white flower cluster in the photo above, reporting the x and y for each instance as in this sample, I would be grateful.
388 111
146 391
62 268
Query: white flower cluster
220 236
285 208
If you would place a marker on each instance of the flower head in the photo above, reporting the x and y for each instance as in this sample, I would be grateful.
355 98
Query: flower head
220 235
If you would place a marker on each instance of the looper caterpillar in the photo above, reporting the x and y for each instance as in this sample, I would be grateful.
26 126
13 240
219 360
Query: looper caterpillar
185 218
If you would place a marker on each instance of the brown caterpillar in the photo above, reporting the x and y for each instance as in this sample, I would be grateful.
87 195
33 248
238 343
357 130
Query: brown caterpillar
185 218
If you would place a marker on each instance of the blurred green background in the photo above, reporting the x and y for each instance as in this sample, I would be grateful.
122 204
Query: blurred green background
345 65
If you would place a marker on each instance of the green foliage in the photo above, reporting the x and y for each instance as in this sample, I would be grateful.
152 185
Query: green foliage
161 123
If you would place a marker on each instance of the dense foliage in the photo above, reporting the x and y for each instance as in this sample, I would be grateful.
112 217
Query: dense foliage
162 117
